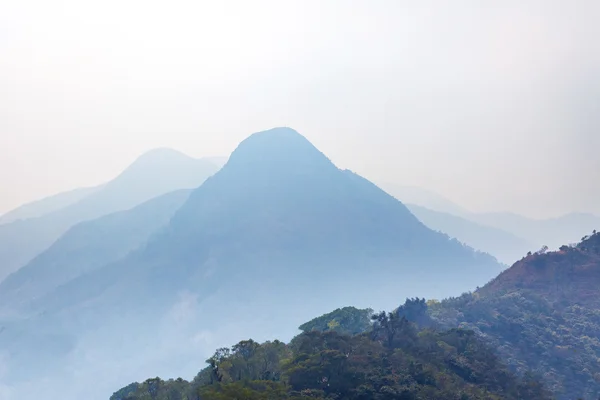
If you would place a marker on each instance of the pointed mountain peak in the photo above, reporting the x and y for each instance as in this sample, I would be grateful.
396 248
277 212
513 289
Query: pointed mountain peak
278 149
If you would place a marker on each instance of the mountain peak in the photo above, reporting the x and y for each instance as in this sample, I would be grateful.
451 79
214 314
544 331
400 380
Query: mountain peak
276 149
158 156
163 161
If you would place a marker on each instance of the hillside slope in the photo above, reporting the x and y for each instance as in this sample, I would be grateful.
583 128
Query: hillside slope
552 232
86 246
503 245
423 198
47 205
542 314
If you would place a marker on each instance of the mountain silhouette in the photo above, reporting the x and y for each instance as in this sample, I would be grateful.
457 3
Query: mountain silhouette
552 232
47 205
154 173
503 245
423 198
278 221
280 208
86 246
534 233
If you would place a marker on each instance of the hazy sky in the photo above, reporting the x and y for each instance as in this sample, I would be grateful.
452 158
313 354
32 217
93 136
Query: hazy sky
494 104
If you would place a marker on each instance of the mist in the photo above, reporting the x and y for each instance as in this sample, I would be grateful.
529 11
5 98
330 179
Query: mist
496 104
176 340
490 113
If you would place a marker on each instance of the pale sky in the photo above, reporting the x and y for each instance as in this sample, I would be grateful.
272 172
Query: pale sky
495 104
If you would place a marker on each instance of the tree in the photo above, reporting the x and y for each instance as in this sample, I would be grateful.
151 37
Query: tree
245 348
390 327
415 310
215 363
125 392
543 250
347 320
393 361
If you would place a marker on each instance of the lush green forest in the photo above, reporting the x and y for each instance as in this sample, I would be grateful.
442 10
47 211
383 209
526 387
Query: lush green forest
352 354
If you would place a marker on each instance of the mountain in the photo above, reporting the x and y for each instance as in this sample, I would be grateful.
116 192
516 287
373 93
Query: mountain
280 208
47 205
505 246
154 173
86 246
552 232
280 203
278 221
390 359
541 315
534 233
424 198
219 161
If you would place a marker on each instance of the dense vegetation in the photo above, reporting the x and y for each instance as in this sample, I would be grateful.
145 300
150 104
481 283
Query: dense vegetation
391 359
541 315
347 320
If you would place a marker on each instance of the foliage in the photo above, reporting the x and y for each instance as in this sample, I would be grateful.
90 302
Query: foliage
393 360
123 393
415 310
347 320
155 389
541 315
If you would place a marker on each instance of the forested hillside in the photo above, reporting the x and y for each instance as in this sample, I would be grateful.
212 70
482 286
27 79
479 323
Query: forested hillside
543 315
391 359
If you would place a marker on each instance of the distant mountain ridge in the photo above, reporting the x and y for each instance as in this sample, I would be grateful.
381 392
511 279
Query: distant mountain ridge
86 246
552 232
152 174
424 198
505 246
452 219
47 205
